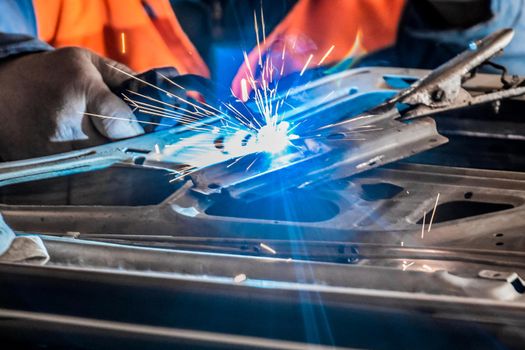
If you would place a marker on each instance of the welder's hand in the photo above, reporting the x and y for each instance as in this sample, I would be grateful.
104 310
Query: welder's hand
313 27
44 96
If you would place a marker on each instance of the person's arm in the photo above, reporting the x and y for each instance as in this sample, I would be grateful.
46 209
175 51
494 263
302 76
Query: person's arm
49 101
45 93
321 32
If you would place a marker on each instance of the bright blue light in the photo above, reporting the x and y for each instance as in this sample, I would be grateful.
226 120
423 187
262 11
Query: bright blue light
273 139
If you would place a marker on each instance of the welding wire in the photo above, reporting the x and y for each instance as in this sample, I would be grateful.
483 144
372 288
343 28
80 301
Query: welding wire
326 55
306 64
267 248
433 213
118 118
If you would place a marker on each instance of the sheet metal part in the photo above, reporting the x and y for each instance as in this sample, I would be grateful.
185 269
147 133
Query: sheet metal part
361 247
439 91
185 212
337 107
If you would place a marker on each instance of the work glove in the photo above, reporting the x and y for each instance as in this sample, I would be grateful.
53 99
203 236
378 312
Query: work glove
58 101
21 249
336 29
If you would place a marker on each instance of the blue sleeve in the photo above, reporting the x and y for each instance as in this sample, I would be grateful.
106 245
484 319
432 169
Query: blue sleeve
419 46
18 29
15 44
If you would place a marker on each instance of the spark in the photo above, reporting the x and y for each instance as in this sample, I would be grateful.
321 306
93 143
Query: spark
306 64
256 26
251 164
407 264
423 226
267 248
123 42
326 55
270 133
240 278
244 90
171 81
427 268
433 213
121 118
327 96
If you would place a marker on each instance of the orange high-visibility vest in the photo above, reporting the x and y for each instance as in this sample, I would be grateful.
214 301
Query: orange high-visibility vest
142 34
369 24
145 34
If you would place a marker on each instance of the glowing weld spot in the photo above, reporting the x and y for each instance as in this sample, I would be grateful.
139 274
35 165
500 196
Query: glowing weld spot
239 278
273 139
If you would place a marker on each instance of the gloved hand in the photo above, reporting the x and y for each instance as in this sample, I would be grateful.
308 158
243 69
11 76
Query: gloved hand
44 96
18 249
313 27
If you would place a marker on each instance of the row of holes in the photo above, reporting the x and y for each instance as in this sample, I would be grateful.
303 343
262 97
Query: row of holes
499 235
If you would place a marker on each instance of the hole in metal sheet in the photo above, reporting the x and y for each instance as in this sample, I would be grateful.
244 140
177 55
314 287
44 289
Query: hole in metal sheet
139 160
499 243
293 205
336 136
468 195
464 209
518 285
379 191
498 235
399 81
219 142
114 186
